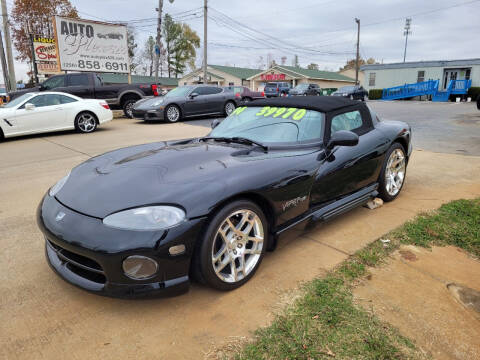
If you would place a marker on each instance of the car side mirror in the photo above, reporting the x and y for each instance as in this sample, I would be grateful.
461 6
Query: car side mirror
215 123
342 138
29 106
42 87
193 95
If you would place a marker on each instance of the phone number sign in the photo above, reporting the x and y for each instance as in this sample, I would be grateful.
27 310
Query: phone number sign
91 46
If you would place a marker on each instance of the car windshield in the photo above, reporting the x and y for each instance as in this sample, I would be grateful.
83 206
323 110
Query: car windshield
18 100
346 88
301 86
179 91
272 125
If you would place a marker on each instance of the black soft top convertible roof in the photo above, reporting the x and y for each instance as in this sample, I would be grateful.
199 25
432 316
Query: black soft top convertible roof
319 103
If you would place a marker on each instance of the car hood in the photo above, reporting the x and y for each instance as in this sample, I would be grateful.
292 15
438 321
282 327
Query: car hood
194 175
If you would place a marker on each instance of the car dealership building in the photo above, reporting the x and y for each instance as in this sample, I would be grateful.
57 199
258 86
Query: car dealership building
256 79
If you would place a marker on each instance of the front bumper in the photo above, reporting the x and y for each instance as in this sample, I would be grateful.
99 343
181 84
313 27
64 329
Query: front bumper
88 254
148 114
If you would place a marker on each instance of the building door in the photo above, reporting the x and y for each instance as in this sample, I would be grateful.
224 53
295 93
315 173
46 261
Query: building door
451 74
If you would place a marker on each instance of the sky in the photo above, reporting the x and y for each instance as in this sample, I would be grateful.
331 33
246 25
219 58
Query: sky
318 31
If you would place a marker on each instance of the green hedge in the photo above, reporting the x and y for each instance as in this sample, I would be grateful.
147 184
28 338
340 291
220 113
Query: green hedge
474 92
375 94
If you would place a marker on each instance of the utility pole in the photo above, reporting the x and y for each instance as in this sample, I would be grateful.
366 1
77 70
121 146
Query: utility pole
358 51
4 64
8 46
406 32
205 78
158 44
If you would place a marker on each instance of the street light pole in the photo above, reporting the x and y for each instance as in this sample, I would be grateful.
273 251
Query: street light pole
205 78
358 51
406 32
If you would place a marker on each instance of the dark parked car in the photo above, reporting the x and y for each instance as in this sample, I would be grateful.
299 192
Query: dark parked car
306 89
90 86
245 93
274 89
144 219
187 101
356 92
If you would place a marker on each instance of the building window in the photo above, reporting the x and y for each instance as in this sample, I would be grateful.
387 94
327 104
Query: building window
421 76
231 84
467 74
371 79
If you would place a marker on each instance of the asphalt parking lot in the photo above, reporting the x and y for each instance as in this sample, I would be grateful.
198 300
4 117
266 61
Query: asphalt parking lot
439 127
45 318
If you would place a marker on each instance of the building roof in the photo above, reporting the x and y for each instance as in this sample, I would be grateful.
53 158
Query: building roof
318 103
136 79
239 72
309 73
417 64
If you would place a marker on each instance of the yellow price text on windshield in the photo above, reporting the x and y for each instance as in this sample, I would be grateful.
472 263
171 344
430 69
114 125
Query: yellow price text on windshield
285 113
238 110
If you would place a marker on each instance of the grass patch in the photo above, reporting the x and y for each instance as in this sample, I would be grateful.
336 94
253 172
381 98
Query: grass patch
325 323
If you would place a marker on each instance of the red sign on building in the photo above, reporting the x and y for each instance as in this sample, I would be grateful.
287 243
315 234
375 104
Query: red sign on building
270 77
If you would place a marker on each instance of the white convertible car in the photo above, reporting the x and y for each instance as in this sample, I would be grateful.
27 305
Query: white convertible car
34 113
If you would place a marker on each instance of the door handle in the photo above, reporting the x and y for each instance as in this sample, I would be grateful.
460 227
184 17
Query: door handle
59 108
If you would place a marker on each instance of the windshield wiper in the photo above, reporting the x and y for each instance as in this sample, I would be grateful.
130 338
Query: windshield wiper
236 139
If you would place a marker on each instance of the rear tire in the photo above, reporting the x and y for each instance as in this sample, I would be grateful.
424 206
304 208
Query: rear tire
225 257
86 122
228 108
128 107
394 170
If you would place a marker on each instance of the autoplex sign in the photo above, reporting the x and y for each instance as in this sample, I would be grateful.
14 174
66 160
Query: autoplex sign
91 46
270 77
45 51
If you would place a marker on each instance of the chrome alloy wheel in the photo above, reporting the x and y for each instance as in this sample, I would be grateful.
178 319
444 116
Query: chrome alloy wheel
86 123
237 245
395 172
173 114
229 108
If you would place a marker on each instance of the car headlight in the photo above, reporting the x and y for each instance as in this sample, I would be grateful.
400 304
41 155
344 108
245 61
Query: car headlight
58 186
139 267
158 102
146 218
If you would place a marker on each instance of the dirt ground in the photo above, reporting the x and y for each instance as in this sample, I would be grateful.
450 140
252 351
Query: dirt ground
45 318
432 296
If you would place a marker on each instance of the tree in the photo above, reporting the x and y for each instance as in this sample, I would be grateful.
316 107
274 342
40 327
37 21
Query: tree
352 63
283 60
148 55
36 17
312 66
181 42
260 64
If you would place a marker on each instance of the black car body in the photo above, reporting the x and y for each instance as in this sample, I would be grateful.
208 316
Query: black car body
187 101
275 89
91 86
325 171
352 92
305 90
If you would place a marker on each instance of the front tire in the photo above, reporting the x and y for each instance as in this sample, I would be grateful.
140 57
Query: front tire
392 176
232 247
172 113
86 122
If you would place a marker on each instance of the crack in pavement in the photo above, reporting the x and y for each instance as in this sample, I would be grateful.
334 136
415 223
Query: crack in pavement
67 147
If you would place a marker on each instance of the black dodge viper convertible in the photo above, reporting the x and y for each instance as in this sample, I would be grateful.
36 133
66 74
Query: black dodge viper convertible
142 220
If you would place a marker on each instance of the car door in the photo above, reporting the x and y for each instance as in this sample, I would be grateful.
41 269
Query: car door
79 85
46 115
214 100
347 169
193 101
